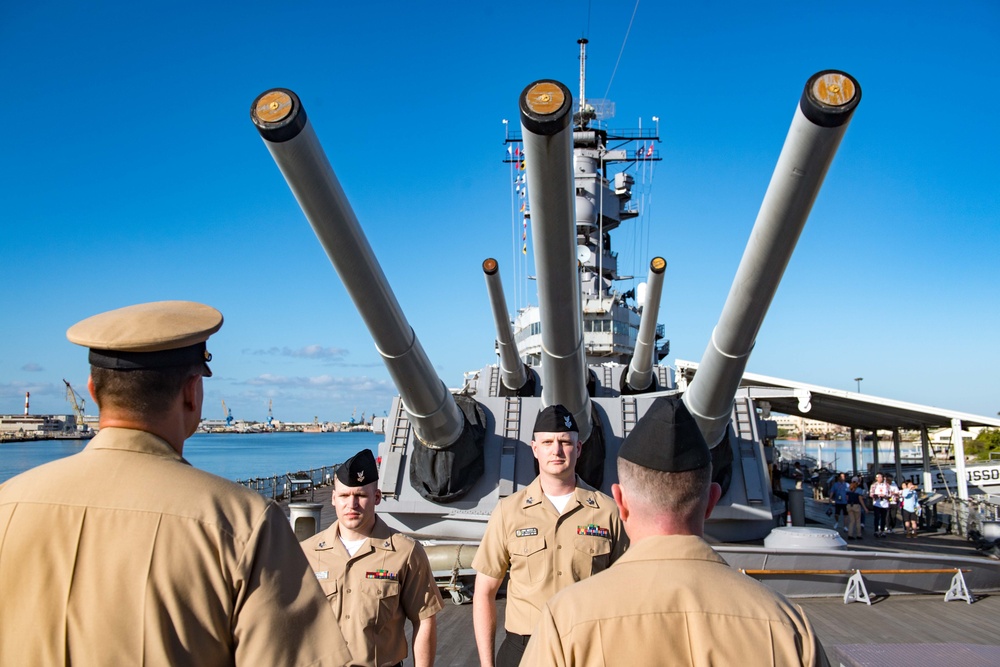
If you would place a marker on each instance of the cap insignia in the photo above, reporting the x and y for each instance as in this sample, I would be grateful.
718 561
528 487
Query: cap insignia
361 475
568 421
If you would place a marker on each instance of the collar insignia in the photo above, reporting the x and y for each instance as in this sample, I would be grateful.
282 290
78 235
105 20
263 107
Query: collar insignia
590 501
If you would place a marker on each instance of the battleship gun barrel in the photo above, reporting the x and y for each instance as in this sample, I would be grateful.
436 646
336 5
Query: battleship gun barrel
640 369
547 133
819 124
289 136
512 372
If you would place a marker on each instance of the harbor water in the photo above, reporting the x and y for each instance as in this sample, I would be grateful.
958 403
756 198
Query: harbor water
836 454
234 456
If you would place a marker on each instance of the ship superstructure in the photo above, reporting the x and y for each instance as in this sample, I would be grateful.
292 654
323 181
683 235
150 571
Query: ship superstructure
448 457
603 201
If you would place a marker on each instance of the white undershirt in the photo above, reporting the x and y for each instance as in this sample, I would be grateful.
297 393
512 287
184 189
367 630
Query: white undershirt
560 502
352 546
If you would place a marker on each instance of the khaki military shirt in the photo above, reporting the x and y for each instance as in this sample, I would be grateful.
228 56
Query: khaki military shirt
671 600
126 555
372 593
545 551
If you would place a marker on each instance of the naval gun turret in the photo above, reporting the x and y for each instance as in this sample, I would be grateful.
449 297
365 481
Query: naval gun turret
821 119
438 422
584 345
515 376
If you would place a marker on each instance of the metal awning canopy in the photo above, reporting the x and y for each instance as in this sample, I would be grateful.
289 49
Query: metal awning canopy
846 408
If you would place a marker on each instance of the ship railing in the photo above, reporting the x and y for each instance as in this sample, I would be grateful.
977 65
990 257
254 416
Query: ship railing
289 484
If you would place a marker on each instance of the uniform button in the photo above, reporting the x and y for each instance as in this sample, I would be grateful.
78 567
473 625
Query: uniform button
560 574
559 547
348 590
348 617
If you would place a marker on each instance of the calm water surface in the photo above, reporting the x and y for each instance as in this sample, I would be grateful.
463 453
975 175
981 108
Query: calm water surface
230 455
836 454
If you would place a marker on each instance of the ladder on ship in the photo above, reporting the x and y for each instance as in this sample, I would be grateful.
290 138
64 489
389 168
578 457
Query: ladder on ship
745 426
508 448
392 467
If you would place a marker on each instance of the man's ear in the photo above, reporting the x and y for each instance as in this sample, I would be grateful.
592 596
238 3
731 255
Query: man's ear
190 392
621 501
714 494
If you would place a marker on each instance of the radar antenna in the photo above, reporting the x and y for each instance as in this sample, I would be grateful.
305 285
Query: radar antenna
588 110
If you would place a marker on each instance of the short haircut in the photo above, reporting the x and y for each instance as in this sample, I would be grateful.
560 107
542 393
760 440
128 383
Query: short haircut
141 392
676 492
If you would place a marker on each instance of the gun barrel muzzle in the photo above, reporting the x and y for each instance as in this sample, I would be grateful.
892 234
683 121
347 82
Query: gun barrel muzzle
546 113
821 119
290 138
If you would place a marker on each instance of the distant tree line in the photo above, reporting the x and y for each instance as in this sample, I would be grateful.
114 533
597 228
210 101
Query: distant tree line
987 441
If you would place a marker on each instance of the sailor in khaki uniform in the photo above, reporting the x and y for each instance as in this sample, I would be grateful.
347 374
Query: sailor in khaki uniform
670 600
556 531
126 555
374 577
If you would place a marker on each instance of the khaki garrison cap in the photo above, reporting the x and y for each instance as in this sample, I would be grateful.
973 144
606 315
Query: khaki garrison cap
162 334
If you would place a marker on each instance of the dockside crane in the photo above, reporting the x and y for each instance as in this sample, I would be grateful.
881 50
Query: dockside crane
229 414
270 415
79 406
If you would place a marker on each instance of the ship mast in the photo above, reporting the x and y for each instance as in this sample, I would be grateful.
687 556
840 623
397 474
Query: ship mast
583 80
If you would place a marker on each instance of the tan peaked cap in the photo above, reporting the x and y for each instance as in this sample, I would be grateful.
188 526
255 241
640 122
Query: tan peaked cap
148 327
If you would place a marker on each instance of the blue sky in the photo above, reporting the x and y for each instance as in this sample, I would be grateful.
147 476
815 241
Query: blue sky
133 173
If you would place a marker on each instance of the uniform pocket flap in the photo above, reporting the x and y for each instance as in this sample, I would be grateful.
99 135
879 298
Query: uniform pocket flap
380 588
526 546
593 545
329 586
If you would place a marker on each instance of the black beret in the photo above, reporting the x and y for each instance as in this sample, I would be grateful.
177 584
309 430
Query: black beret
358 470
555 419
667 438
